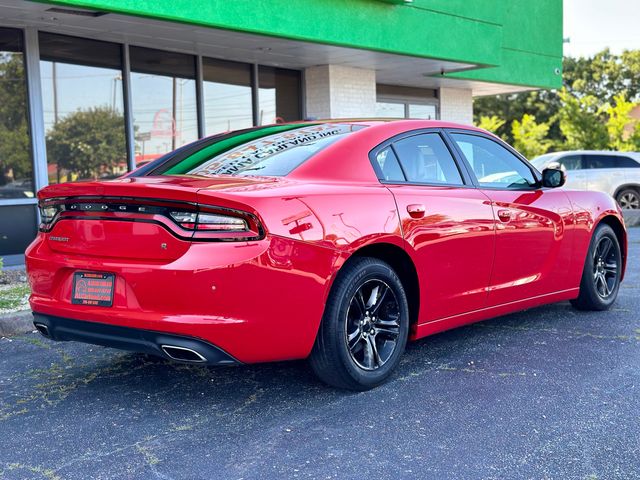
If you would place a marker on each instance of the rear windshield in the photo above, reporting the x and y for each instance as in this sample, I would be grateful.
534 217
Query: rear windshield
271 151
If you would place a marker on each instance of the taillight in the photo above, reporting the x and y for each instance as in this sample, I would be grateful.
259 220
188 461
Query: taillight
211 222
47 216
185 220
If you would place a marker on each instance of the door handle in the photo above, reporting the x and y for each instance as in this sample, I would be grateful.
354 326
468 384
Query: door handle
416 210
504 215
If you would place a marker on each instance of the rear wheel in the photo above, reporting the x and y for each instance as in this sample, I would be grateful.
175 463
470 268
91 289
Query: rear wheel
629 199
601 275
365 327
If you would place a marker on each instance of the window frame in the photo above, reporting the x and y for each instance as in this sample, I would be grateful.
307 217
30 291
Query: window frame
389 142
463 159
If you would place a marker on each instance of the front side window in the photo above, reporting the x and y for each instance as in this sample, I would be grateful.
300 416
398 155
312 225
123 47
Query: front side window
571 162
494 165
270 151
426 159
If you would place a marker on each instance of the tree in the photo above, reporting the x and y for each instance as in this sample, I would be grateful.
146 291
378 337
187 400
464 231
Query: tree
492 123
15 159
624 131
581 123
88 143
530 137
601 77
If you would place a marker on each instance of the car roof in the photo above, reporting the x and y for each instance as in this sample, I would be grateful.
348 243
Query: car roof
594 152
411 122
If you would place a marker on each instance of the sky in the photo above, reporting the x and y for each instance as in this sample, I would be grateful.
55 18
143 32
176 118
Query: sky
593 25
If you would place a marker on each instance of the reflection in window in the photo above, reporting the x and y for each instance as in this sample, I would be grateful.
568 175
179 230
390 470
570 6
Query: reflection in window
389 110
494 165
83 108
16 168
227 95
163 90
279 95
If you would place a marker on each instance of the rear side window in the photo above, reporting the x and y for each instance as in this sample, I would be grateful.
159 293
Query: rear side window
626 162
426 159
600 161
389 166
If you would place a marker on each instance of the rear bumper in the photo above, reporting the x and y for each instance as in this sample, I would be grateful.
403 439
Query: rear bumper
161 344
258 301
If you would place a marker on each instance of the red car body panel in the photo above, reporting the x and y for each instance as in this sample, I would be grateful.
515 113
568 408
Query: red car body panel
263 300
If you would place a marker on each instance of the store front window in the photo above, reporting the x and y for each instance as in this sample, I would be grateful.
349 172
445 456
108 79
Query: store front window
425 112
83 108
279 94
395 101
163 90
17 222
390 110
16 166
227 95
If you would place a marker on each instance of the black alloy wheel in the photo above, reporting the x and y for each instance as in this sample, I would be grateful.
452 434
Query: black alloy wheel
602 271
372 327
364 328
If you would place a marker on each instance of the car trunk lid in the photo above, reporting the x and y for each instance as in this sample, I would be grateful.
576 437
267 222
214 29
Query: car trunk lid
132 217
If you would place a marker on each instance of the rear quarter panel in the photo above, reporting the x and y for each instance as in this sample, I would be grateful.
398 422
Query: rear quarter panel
590 208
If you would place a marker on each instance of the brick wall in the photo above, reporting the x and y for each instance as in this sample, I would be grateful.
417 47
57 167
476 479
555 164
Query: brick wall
336 91
456 105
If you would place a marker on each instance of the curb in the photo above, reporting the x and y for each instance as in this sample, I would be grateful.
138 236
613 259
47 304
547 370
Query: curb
16 323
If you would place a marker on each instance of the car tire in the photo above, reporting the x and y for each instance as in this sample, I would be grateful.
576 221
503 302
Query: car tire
629 199
364 331
601 274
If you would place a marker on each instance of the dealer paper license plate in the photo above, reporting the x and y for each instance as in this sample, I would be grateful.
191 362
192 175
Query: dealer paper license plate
91 288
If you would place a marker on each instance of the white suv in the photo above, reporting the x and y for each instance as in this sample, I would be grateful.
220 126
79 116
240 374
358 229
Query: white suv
616 173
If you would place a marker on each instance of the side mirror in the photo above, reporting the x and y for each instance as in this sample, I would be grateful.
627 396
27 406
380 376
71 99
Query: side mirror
553 177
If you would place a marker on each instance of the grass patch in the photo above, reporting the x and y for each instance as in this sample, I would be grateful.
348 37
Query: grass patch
14 297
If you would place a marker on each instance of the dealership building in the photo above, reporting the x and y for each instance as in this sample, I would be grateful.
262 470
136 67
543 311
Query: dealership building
92 88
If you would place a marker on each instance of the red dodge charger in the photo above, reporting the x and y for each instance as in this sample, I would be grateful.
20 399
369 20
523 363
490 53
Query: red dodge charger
335 241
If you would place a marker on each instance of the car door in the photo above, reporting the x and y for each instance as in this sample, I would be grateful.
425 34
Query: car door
574 167
447 224
602 173
533 224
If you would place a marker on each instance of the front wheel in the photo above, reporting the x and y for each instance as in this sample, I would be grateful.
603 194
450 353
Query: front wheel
364 328
601 275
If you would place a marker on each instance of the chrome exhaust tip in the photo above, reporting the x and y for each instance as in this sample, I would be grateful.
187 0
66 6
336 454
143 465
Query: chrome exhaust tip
182 354
43 329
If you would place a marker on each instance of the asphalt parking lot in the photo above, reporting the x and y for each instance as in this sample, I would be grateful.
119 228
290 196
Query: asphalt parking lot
547 393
